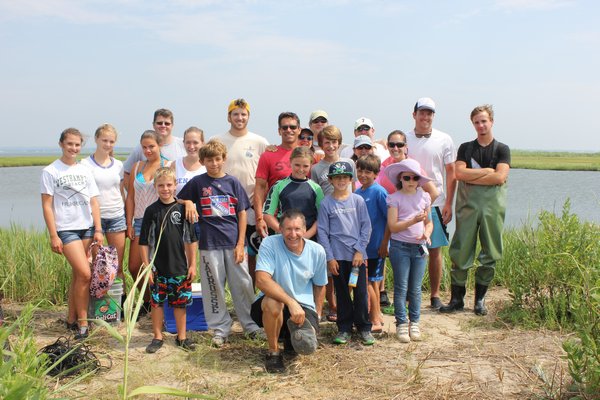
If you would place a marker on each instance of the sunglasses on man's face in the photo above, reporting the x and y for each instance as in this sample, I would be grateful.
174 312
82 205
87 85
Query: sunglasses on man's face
165 123
363 128
407 178
305 137
396 144
364 147
286 127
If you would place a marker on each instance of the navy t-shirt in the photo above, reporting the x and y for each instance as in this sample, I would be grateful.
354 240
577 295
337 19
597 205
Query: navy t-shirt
218 200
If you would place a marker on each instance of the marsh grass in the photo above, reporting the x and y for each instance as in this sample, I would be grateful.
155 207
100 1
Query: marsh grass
555 160
29 161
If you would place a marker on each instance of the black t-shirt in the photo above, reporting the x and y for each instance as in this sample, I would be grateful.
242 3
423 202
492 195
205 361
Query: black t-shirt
477 156
170 259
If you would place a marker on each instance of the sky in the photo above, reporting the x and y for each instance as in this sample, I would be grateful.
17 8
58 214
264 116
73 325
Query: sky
86 62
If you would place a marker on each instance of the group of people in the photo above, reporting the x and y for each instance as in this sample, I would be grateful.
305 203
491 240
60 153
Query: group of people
307 219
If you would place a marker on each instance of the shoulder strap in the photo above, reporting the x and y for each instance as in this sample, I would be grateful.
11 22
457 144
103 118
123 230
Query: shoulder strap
469 154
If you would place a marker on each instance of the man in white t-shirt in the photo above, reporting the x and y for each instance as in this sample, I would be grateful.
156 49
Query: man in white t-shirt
291 274
435 151
244 149
171 147
364 126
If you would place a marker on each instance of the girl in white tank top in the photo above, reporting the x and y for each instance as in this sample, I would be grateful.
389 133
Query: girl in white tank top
189 166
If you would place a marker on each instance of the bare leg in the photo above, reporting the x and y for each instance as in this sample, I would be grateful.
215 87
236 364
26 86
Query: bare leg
435 271
180 322
158 315
117 239
272 321
374 307
330 296
79 293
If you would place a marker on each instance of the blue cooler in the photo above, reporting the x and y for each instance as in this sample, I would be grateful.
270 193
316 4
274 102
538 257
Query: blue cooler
195 320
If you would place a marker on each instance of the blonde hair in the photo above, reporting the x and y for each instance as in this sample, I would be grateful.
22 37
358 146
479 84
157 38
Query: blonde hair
164 172
213 148
302 152
105 128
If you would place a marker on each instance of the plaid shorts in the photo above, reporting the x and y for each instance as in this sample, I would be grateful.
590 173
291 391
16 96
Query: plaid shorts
177 290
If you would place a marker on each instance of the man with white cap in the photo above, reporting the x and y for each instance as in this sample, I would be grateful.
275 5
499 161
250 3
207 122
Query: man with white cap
435 152
318 120
364 126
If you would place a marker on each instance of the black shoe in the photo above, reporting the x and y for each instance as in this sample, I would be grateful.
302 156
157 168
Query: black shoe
83 333
436 303
457 302
384 300
154 345
73 327
186 344
274 363
480 291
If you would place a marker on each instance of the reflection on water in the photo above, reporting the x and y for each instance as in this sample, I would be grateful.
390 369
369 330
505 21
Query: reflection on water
529 191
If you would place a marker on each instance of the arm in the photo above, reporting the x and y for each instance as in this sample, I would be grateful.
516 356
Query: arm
270 207
260 191
190 254
383 247
482 176
428 228
430 188
271 222
450 190
191 213
238 251
130 206
55 243
312 231
271 289
98 236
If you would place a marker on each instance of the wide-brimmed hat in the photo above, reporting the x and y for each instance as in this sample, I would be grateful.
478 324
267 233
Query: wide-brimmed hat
393 170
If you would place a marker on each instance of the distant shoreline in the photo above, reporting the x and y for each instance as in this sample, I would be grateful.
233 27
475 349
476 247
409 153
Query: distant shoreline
522 159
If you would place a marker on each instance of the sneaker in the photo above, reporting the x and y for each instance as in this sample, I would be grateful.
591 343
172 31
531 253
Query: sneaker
82 334
258 334
436 303
218 341
384 300
402 333
154 345
367 338
342 338
274 363
186 344
414 331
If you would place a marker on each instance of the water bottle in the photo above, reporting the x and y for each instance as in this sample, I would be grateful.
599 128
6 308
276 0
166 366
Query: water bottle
353 277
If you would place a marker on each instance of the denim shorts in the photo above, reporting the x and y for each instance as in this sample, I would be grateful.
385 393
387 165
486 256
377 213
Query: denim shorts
76 234
112 225
137 226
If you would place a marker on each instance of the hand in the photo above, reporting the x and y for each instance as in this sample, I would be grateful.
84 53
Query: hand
447 214
57 245
98 237
150 276
420 217
130 233
272 148
296 313
191 275
333 267
425 237
383 250
261 228
191 214
238 254
358 259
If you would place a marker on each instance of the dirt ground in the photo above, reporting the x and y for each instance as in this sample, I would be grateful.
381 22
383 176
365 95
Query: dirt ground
461 356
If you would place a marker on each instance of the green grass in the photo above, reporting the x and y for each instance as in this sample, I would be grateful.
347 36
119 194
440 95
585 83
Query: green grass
555 160
28 161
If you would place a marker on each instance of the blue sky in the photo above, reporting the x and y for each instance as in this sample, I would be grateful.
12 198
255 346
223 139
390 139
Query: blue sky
82 63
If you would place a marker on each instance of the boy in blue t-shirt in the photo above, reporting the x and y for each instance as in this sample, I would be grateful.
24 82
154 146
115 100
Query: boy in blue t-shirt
375 197
170 240
344 229
220 209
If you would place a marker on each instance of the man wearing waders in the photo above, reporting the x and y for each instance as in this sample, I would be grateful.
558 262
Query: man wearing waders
482 168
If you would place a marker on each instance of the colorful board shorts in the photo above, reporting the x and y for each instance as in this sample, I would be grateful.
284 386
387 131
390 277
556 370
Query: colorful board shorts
177 290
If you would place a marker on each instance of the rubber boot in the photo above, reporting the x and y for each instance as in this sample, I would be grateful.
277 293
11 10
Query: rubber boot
457 300
480 291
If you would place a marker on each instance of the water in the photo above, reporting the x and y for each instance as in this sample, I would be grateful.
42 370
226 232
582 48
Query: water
529 192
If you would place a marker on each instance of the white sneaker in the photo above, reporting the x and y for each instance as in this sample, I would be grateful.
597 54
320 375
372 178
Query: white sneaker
402 333
415 332
218 341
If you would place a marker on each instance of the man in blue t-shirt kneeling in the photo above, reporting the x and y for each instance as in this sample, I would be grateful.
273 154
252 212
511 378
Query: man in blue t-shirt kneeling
291 273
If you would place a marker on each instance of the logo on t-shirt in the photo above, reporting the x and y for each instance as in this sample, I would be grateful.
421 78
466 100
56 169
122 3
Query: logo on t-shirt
175 218
218 206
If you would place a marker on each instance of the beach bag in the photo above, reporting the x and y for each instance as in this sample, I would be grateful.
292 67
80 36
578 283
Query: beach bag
104 264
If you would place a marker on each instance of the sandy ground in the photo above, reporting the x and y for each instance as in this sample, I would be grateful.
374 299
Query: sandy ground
461 356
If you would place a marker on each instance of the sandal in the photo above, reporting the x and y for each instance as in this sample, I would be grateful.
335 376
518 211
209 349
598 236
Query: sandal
332 317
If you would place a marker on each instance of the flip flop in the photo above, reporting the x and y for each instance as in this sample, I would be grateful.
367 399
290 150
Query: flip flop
332 317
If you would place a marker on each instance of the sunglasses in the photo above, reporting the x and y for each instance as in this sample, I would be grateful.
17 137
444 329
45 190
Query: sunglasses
407 178
363 128
319 120
161 123
364 147
286 127
305 137
396 144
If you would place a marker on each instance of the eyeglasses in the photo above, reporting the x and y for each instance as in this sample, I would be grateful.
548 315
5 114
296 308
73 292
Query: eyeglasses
396 144
363 128
165 123
305 137
364 147
319 120
286 127
407 178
